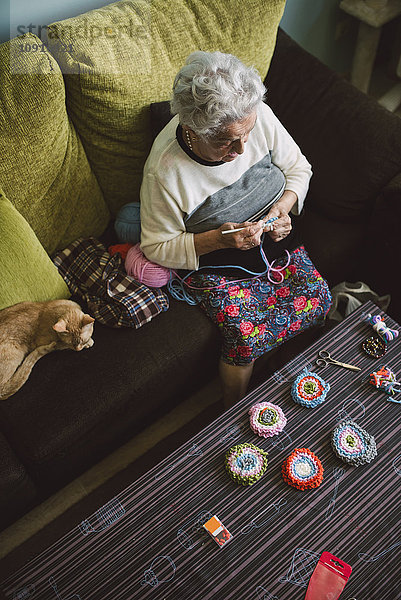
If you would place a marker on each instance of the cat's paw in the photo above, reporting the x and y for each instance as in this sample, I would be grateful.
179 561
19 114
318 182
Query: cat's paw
89 343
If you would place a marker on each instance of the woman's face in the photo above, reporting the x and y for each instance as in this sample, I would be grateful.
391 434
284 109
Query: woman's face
228 144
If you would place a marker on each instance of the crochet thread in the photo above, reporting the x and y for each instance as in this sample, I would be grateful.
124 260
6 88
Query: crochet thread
246 463
127 224
352 444
144 270
380 327
385 379
302 469
177 285
309 389
266 419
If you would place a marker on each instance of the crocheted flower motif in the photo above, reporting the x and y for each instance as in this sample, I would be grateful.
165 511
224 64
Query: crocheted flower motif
266 419
309 389
302 469
353 444
246 463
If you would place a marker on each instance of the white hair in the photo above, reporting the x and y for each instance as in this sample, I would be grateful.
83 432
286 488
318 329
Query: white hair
213 90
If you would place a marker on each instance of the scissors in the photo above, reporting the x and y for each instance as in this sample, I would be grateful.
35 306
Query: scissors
326 359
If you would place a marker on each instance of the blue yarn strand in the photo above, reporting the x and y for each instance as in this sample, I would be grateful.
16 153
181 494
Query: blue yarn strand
176 286
178 291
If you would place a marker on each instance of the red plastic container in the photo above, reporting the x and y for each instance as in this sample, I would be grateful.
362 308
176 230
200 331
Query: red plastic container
328 579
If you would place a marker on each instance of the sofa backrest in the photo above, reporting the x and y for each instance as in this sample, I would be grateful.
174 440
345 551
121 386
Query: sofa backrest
353 144
43 169
119 59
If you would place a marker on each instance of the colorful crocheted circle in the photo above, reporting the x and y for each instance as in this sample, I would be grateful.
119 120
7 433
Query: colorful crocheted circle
309 389
353 444
266 419
302 469
246 463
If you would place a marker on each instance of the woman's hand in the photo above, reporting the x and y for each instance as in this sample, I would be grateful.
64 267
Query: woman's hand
282 227
247 238
250 234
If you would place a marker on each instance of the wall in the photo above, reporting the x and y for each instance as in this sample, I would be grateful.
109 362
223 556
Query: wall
318 25
323 29
4 20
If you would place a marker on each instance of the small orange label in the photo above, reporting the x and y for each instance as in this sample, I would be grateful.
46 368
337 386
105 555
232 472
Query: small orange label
212 524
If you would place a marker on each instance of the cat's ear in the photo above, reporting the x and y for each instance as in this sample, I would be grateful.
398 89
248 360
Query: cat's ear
60 326
87 320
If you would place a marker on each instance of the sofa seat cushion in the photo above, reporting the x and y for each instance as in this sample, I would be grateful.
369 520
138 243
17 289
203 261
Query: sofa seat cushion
17 491
123 56
44 170
352 143
76 407
26 271
338 250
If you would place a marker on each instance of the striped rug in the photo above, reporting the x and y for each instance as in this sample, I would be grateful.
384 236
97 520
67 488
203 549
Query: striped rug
147 543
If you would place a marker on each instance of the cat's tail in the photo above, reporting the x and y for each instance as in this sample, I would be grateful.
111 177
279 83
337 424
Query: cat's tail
19 377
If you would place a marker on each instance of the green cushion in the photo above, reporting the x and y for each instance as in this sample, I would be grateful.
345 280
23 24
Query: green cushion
120 58
44 169
26 271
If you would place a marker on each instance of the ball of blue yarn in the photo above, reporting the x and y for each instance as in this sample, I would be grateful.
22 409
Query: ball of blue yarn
128 223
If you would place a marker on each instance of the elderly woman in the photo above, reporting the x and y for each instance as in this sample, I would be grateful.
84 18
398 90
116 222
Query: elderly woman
221 169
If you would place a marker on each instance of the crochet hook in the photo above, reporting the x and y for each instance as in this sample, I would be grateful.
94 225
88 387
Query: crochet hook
241 228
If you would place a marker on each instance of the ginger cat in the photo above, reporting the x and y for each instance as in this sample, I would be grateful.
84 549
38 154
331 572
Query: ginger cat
29 330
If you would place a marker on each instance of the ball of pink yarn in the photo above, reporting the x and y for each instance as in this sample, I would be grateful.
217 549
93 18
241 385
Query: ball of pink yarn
143 270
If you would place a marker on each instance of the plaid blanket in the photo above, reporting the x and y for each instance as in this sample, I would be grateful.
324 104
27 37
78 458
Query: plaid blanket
114 298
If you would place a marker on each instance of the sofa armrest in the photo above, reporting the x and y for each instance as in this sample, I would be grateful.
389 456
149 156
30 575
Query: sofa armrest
353 144
383 248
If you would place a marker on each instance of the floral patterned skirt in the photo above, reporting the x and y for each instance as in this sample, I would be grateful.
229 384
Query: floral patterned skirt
256 315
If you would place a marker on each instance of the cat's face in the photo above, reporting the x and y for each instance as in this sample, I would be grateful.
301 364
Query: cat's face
75 333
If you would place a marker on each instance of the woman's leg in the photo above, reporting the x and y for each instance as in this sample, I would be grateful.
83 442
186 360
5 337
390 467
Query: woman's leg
234 380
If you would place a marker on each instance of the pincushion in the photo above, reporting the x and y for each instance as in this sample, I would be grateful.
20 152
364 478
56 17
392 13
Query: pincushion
309 389
266 419
353 444
302 469
246 463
